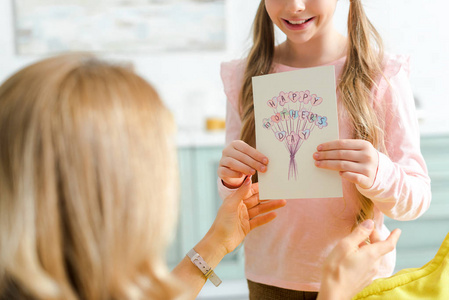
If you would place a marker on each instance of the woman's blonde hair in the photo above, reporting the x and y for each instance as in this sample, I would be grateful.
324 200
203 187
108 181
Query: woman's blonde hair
363 66
87 176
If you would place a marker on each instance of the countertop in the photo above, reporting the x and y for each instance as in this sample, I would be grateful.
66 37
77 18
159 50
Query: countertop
203 138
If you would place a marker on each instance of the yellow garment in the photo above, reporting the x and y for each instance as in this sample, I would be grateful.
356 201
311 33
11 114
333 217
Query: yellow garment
428 282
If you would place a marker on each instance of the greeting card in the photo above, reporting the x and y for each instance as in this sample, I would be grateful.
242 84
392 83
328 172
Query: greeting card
295 112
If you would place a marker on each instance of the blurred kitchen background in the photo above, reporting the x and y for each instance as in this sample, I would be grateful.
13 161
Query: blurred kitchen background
178 46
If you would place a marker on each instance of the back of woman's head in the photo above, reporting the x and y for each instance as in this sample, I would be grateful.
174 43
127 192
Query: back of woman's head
86 159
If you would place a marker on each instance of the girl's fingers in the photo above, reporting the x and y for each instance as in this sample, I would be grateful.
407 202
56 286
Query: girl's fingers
355 159
250 151
249 161
236 165
240 159
349 155
246 154
361 180
343 165
352 144
224 172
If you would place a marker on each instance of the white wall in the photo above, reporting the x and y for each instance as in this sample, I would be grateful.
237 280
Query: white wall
419 29
189 83
191 86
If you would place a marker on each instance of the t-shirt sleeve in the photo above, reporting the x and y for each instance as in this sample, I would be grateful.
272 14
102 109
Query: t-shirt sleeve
401 189
232 77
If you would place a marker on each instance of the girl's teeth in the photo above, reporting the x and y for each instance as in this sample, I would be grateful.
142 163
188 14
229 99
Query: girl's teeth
297 22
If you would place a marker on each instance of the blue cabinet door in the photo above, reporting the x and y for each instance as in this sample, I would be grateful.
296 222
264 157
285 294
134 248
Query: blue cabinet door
199 203
207 160
187 232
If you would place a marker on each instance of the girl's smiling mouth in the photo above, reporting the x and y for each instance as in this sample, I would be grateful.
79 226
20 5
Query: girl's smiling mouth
298 24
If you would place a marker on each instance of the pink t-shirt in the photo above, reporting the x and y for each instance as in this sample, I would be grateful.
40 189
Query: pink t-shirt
289 251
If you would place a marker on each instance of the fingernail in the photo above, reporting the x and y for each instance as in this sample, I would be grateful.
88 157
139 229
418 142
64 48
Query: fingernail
315 155
368 224
319 148
265 160
247 180
263 169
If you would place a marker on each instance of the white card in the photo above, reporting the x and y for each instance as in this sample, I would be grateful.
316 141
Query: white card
294 113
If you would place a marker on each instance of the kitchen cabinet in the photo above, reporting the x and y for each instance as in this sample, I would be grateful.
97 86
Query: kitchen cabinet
421 238
199 203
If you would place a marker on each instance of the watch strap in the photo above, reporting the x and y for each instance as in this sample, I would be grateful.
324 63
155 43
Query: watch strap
198 261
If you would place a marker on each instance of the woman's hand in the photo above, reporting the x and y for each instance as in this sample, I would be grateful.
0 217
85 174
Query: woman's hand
357 160
240 213
352 264
238 161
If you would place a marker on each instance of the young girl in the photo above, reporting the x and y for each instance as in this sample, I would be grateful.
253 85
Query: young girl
377 156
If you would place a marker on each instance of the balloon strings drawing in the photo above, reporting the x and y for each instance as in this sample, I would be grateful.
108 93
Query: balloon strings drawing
293 122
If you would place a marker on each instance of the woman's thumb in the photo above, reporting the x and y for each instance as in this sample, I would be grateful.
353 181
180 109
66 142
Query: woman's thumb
243 192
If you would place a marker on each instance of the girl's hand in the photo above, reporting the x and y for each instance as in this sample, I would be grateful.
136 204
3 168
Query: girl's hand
357 160
352 264
238 161
240 213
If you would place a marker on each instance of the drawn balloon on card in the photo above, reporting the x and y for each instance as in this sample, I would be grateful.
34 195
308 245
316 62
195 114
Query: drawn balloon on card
299 128
294 112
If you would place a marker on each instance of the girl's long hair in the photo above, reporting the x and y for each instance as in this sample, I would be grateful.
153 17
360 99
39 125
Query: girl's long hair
363 66
87 169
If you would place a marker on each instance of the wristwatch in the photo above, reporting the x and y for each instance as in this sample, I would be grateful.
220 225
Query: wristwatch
198 261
